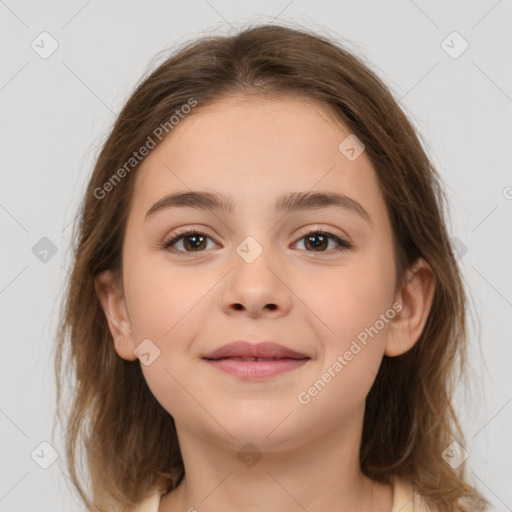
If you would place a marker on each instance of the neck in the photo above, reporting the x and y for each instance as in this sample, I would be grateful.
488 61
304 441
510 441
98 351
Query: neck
320 474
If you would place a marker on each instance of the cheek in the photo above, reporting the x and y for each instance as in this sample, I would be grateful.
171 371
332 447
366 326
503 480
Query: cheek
356 306
161 298
168 385
335 394
350 301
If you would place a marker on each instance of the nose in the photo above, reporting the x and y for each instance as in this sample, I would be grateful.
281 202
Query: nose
257 288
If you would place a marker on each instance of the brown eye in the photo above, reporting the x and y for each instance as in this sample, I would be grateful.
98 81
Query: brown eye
192 241
318 241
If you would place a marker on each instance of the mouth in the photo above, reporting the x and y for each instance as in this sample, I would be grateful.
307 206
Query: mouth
255 361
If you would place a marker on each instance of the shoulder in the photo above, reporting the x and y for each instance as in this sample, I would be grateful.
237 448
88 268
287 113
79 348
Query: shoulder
403 495
407 499
151 502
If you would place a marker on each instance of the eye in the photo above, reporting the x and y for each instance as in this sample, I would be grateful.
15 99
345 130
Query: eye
319 240
191 240
194 241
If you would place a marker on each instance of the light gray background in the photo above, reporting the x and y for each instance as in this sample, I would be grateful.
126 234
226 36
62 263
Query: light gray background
55 112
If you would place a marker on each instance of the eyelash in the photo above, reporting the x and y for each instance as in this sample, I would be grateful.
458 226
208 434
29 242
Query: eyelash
343 244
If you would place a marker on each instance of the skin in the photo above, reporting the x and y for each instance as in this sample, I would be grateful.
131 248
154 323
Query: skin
313 301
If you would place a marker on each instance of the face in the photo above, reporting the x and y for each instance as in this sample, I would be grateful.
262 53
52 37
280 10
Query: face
318 279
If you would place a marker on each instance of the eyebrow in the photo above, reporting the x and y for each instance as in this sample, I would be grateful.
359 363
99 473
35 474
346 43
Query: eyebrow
290 201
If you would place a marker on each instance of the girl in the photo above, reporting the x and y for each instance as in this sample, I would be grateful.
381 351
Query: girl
264 310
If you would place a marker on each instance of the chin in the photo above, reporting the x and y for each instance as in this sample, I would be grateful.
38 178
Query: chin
266 433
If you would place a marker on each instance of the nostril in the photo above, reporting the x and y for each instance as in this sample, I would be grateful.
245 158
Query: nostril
272 307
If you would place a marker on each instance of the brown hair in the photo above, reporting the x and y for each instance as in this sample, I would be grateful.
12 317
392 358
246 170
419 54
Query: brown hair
128 438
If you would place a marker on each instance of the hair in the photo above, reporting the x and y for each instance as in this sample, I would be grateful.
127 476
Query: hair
128 438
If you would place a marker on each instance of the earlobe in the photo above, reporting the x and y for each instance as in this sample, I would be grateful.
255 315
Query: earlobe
415 298
110 294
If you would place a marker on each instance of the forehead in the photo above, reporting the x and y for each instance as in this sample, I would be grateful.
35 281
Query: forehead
255 150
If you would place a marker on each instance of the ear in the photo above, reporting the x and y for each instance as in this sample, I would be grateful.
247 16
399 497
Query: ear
110 293
415 298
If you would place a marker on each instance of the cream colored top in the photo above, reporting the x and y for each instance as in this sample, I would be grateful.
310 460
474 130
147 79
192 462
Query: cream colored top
404 499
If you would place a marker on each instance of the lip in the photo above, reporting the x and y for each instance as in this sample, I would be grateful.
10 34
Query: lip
245 349
249 360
